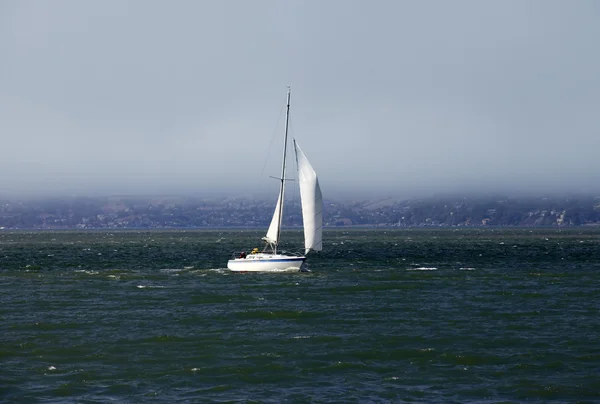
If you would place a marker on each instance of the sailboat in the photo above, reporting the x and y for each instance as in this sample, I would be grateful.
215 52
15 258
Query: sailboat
270 259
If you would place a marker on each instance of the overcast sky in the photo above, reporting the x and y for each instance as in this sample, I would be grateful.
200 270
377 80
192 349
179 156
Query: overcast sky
389 98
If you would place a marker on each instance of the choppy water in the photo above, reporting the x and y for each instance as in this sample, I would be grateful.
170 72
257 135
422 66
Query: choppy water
384 316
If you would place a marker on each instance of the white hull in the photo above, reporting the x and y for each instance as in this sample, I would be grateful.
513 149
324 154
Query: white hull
266 263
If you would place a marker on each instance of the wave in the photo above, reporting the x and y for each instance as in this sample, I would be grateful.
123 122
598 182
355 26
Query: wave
174 270
87 271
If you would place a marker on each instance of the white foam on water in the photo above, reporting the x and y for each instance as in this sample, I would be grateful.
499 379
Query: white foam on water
86 271
422 269
467 269
224 271
199 272
150 287
171 270
302 336
51 368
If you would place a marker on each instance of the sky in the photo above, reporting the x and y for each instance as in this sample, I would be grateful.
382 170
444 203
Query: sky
389 97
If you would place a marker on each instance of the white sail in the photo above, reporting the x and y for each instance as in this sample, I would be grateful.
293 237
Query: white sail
312 203
272 236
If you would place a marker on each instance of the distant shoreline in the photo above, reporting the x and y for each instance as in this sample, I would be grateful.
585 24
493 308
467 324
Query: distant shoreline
299 229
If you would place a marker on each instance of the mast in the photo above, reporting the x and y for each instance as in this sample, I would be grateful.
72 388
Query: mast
282 179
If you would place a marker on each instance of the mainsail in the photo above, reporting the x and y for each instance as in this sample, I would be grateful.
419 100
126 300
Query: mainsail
272 236
312 203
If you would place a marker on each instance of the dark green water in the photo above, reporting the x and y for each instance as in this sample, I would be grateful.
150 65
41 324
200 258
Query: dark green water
385 316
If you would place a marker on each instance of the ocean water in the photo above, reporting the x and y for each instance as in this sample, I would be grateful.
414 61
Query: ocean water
415 315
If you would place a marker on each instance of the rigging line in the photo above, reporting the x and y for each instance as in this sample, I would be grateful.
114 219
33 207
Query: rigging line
297 204
272 140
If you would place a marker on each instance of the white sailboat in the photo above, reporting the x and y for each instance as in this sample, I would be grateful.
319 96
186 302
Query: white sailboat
270 259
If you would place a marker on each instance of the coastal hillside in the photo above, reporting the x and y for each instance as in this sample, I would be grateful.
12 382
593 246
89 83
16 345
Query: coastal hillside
184 212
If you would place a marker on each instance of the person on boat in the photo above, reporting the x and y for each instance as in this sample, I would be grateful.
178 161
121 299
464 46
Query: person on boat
243 254
254 251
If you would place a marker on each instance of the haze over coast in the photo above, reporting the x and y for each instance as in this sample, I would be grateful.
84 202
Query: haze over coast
401 99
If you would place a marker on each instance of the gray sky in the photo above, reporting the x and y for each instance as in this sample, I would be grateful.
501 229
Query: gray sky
393 98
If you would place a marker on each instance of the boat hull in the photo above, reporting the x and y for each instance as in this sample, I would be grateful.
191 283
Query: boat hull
266 263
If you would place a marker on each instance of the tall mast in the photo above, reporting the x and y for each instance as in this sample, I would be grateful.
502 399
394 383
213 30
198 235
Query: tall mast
287 118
